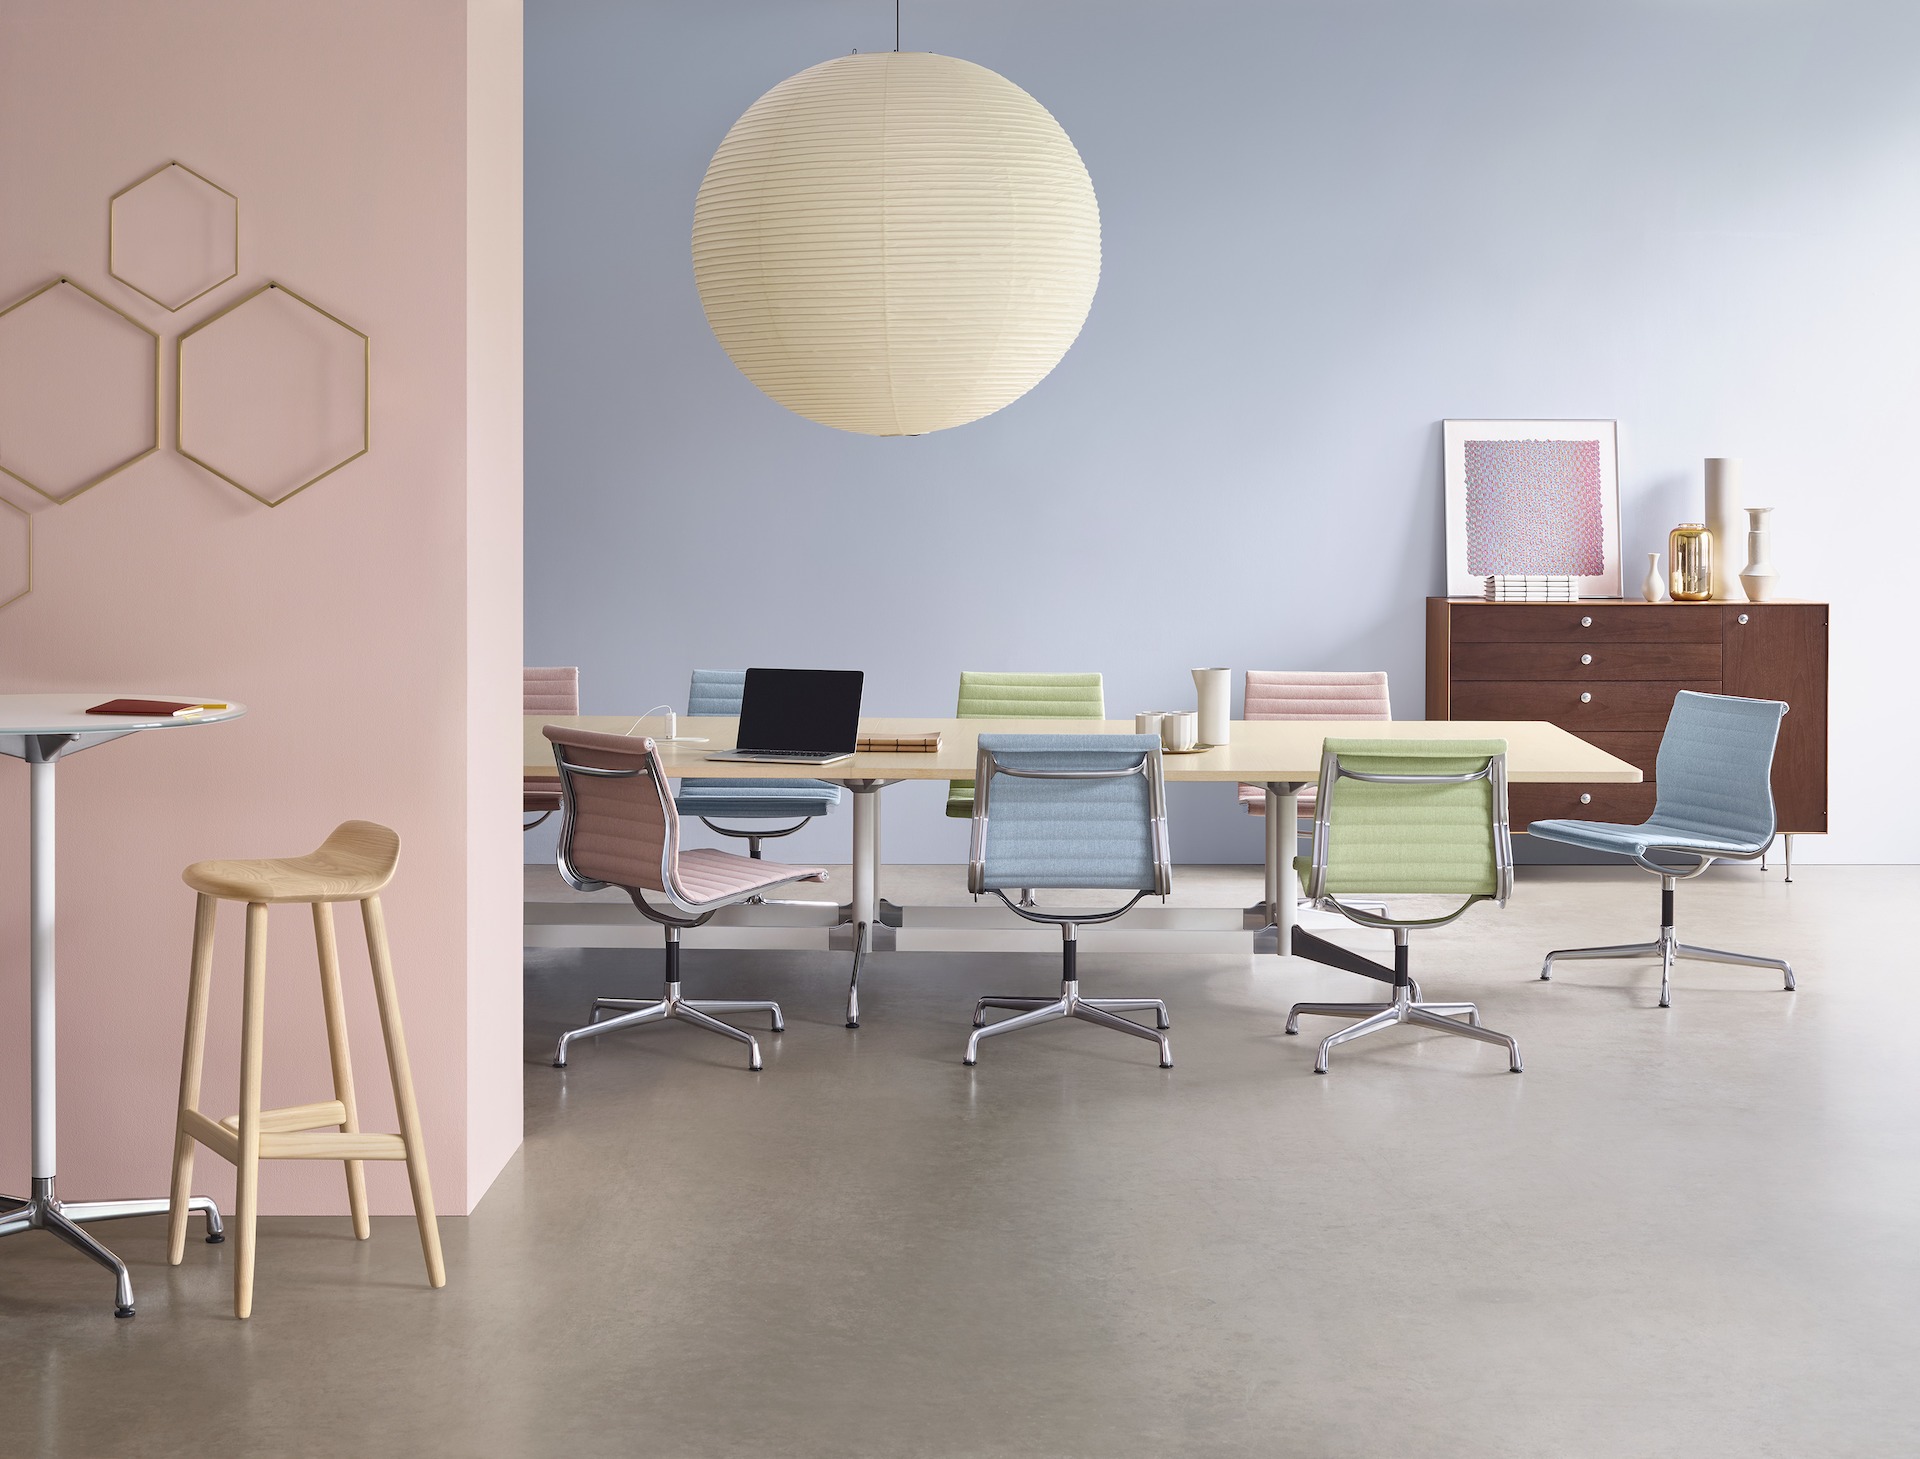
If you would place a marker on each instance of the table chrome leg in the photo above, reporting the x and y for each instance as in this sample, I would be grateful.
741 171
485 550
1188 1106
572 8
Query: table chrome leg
58 1225
85 1211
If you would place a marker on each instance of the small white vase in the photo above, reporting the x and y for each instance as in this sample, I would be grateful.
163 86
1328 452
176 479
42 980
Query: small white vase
1654 589
1215 690
1760 580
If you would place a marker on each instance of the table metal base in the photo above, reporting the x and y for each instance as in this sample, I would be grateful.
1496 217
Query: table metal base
44 1211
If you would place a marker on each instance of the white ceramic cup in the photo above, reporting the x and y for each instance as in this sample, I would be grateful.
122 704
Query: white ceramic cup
1147 721
1180 730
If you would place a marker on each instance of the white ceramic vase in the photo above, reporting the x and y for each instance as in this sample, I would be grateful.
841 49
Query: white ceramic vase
1727 522
1759 579
1654 589
1215 690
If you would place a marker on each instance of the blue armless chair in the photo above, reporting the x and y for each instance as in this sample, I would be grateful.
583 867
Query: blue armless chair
717 692
1078 811
1714 801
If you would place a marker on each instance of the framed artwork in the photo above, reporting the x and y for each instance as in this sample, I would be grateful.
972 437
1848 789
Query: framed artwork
1532 498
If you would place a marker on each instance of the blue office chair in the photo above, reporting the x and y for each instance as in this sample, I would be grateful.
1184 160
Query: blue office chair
718 691
1714 801
1080 811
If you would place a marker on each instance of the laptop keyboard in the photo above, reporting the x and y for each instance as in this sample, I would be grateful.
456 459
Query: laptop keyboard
789 754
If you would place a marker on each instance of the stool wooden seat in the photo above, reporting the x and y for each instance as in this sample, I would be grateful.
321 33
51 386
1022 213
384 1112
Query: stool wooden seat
354 864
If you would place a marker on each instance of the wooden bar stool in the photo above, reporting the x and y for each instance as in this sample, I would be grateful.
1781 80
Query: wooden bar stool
353 865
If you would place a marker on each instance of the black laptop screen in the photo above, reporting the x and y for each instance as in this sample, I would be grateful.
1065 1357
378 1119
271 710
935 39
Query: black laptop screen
801 709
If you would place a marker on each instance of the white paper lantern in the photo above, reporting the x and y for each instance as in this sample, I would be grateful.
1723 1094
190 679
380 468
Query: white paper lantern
896 242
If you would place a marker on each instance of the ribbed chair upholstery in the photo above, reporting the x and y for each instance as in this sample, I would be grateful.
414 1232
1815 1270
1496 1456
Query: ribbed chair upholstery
1408 817
1713 782
622 830
718 692
546 691
1086 812
1283 694
1021 696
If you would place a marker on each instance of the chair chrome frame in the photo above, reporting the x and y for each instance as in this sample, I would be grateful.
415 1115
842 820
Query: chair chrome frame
1406 1005
670 1004
1105 1012
1667 946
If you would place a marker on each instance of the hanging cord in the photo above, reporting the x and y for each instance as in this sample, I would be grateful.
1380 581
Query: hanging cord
896 27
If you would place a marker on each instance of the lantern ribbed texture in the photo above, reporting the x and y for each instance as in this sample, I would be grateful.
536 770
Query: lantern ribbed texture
896 242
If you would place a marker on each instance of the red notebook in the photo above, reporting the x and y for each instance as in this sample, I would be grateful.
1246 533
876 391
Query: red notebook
150 708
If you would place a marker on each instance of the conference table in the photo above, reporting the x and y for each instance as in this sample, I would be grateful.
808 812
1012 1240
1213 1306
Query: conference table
1282 756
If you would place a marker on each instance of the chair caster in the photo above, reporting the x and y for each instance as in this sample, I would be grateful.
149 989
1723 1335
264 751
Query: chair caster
968 1062
216 1238
559 1063
853 1023
123 1312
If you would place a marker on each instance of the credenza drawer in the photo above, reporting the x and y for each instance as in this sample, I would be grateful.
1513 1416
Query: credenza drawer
1667 623
1590 660
1622 803
1640 749
1577 707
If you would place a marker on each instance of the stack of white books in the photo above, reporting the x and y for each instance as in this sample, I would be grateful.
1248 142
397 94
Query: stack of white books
1531 588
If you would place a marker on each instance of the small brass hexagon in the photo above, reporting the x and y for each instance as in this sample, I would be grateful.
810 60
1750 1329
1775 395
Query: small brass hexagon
137 214
153 445
183 396
15 569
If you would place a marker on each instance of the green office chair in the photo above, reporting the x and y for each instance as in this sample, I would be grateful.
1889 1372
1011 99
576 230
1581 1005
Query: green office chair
1425 817
1021 696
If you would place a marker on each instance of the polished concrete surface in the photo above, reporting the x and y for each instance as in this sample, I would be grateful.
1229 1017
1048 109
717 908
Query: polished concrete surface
1686 1233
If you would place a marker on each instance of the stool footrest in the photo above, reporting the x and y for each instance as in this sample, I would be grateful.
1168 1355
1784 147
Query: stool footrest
289 1134
331 1145
327 1112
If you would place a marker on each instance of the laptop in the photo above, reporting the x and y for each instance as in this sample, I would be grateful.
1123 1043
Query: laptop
798 717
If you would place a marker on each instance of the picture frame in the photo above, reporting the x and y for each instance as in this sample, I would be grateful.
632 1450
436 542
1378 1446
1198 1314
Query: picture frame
1532 498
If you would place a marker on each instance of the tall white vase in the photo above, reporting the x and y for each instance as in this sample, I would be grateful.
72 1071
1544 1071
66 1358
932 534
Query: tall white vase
1760 580
1728 524
1215 690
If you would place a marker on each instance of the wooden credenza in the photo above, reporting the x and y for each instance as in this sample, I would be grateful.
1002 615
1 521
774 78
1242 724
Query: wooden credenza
1608 671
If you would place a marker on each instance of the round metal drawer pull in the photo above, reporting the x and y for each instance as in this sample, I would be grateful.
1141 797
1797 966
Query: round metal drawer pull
1586 799
1743 618
1586 699
1586 658
1586 623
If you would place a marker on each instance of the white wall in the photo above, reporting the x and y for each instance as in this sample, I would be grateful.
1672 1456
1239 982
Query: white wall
1327 227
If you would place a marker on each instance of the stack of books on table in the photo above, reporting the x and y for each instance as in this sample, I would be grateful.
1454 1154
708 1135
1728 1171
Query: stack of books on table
1531 588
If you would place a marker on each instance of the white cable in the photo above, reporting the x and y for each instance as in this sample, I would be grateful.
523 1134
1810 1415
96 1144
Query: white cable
669 738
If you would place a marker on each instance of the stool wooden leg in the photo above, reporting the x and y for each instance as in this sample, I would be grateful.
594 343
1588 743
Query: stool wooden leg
192 1061
336 1011
253 1031
402 1072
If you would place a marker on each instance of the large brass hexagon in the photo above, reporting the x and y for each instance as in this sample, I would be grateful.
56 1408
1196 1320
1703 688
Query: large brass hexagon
173 236
16 553
273 394
68 361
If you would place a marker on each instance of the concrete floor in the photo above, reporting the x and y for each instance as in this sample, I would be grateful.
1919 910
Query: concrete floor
1678 1233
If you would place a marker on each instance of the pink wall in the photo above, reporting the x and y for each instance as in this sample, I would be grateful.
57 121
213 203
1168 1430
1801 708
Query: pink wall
371 623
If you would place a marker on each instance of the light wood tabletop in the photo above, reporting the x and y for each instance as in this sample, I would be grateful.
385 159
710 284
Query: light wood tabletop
1260 750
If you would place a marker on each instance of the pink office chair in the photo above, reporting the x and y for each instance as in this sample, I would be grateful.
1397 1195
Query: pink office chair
1279 694
546 691
621 830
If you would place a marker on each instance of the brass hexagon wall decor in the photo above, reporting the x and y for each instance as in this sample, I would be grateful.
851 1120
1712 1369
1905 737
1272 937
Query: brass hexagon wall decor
16 553
173 236
68 362
274 391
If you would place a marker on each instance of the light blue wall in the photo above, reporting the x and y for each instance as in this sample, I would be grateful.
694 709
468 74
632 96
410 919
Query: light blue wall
1327 226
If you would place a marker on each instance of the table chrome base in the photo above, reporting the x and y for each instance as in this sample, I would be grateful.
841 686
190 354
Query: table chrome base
1668 948
1102 1011
1406 1007
44 1211
691 1010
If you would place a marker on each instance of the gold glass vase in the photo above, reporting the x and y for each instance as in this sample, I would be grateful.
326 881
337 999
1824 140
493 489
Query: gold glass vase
1690 559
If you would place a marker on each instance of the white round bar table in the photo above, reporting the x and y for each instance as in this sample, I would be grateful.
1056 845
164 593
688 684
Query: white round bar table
43 729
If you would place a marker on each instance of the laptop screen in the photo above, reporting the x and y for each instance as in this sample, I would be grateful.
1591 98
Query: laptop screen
801 709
